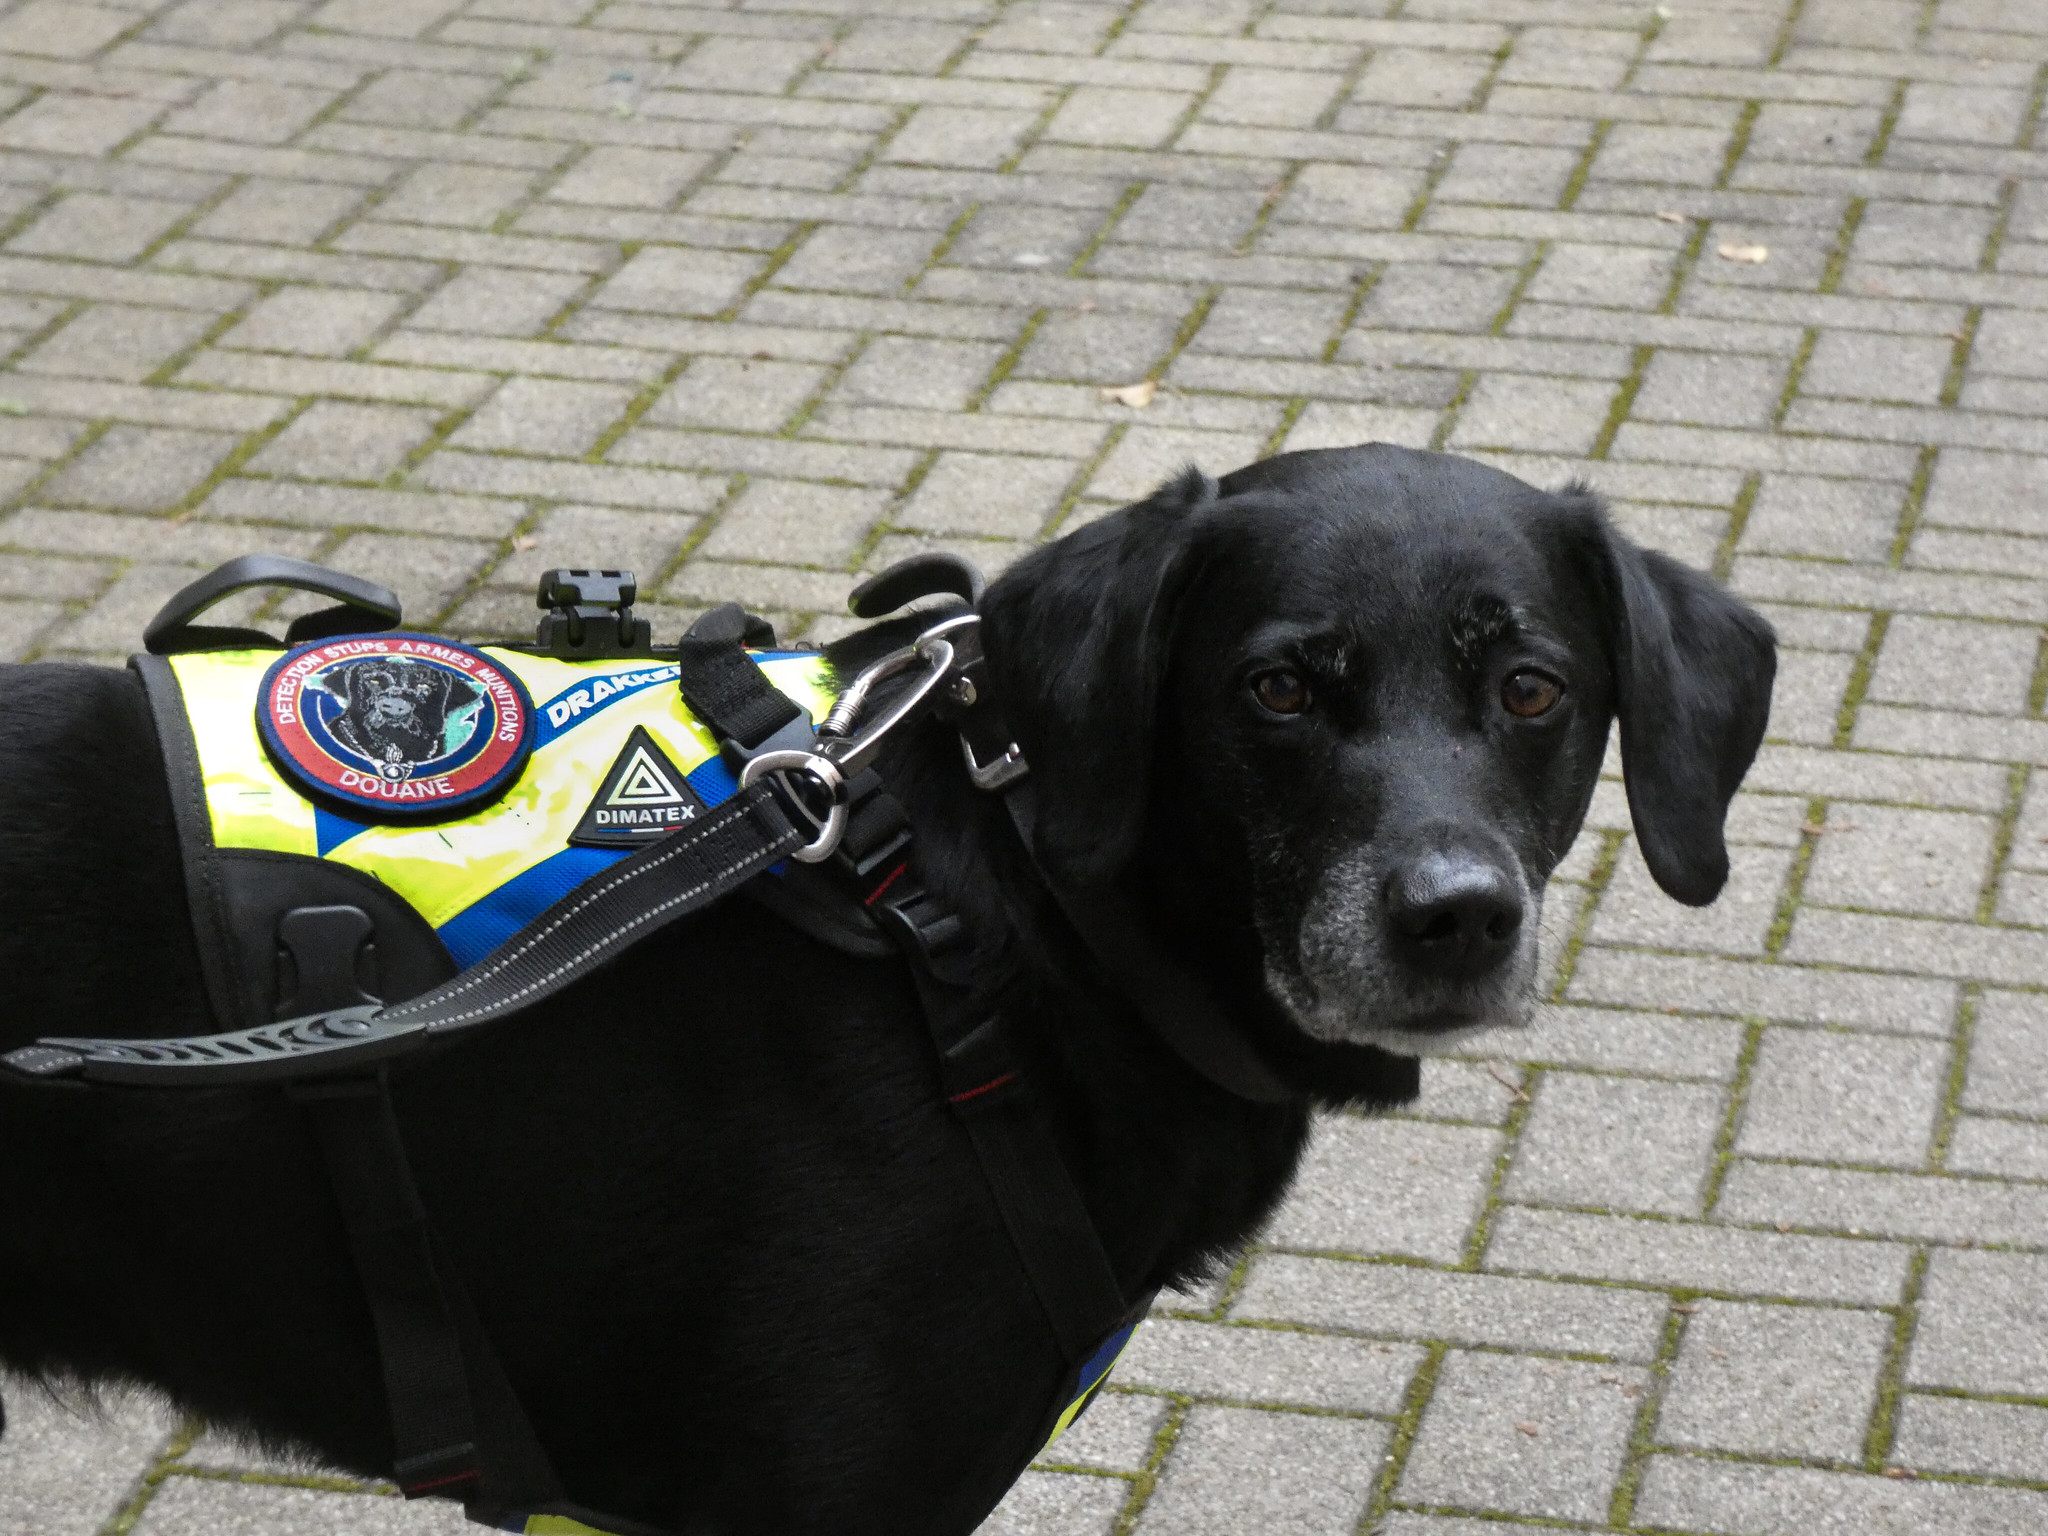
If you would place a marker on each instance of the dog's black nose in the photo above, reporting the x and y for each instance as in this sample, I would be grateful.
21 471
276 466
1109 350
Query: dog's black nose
1453 913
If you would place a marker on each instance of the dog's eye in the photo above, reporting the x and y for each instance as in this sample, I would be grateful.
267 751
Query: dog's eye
1530 694
1284 693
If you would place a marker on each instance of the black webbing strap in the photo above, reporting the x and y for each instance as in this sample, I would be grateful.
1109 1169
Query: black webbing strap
1048 1224
426 1387
722 685
984 1083
689 869
457 1427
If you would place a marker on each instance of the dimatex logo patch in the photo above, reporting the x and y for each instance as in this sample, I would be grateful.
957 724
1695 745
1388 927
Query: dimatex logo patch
397 725
643 796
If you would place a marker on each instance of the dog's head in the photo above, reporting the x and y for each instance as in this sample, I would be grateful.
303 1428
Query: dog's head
1343 713
394 712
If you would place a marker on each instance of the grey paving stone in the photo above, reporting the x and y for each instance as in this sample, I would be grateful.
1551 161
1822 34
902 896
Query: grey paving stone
1397 1301
1536 1437
1471 1092
497 301
1775 1381
1729 1499
1696 1257
324 322
1057 1504
1191 216
983 494
66 1472
845 259
1619 1143
97 226
1507 174
191 1506
1238 1469
1365 197
1866 366
1146 457
1536 414
1983 1324
1387 1186
1269 1365
117 341
2013 1149
139 469
932 375
675 282
1947 1434
1955 664
1099 349
2009 1055
1808 515
1635 911
1607 275
1892 860
1619 1040
427 574
1807 695
1710 390
1793 993
1116 1434
544 416
1836 1096
340 440
1429 297
1403 1523
1272 324
794 520
746 394
643 542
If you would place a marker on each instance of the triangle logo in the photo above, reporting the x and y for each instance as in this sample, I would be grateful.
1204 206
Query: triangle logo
643 797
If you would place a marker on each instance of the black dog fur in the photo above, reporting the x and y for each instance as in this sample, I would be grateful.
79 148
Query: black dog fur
732 1248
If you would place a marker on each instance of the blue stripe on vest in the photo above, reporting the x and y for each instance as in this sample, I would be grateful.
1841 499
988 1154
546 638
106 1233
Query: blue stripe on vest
331 831
481 927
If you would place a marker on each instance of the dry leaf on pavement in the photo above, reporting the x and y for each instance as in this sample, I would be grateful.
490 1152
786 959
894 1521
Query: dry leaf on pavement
1137 396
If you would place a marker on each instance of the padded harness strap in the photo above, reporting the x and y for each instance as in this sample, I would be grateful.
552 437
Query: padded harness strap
722 685
456 1424
985 1085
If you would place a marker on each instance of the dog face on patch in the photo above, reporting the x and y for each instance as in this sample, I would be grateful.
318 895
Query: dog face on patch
1340 716
396 712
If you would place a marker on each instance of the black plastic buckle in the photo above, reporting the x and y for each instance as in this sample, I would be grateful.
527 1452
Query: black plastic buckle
590 616
797 736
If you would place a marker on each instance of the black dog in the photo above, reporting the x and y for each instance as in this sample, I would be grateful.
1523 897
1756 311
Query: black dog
1329 725
396 713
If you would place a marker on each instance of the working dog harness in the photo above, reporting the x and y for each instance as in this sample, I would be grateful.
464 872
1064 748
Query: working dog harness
393 839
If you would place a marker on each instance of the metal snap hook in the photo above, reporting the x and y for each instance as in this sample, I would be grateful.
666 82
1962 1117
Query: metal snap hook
832 827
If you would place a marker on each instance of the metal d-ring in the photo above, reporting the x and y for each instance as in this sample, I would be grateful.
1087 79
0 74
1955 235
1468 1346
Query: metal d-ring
826 772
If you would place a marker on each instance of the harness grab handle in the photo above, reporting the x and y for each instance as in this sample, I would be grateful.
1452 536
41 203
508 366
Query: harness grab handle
365 606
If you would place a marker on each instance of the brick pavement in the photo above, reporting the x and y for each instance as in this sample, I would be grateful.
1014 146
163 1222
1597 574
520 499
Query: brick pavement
1750 1233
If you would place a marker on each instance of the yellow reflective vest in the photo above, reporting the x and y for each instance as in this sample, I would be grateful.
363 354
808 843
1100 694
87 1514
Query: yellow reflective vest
479 878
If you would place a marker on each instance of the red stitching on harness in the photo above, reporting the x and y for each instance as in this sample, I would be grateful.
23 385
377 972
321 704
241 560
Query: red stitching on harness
876 893
988 1087
442 1482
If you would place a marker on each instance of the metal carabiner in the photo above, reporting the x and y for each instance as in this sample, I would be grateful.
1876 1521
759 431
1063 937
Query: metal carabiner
832 827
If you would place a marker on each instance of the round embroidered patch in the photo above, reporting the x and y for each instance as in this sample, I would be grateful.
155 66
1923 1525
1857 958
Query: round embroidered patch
395 724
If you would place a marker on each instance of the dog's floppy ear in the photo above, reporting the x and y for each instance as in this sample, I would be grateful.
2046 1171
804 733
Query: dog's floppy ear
1692 687
1077 636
